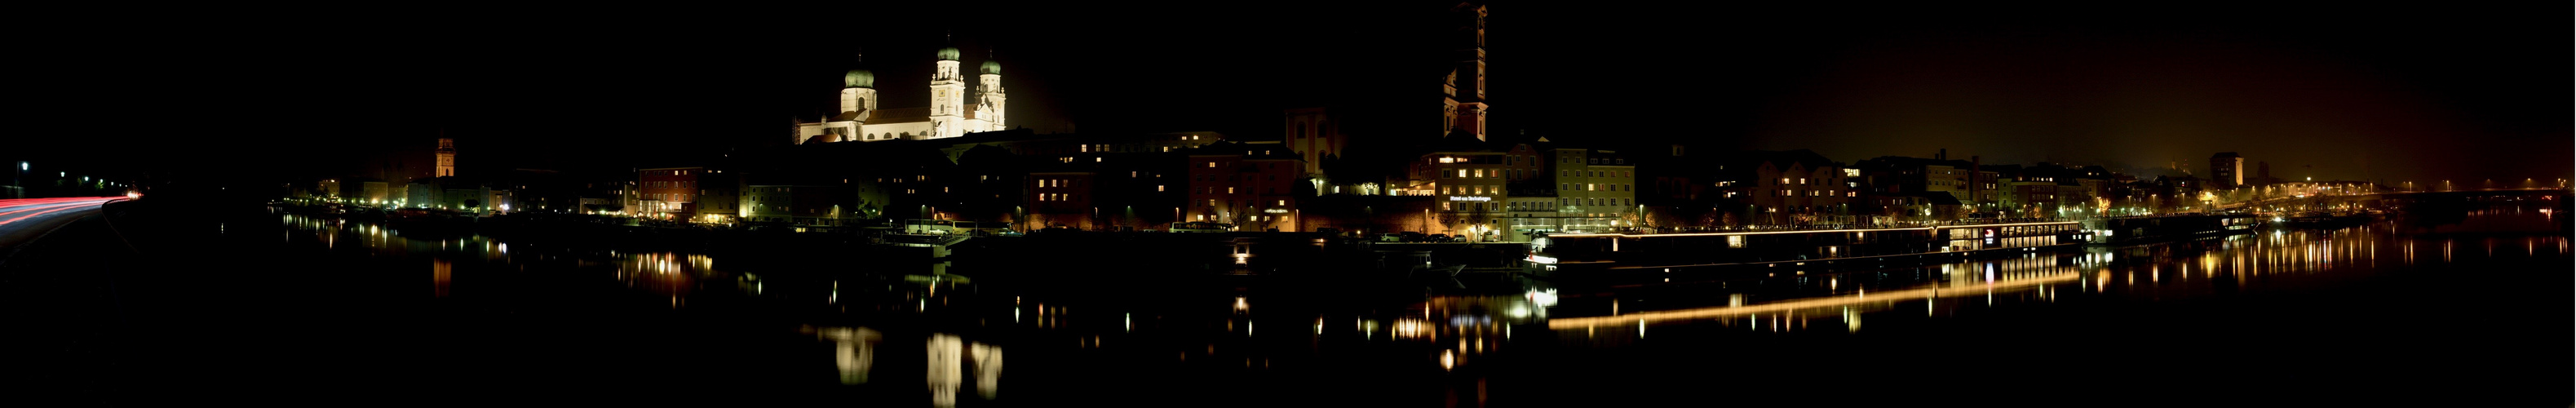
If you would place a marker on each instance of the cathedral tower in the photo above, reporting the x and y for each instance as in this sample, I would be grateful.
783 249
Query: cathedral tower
446 158
988 95
858 97
856 102
947 97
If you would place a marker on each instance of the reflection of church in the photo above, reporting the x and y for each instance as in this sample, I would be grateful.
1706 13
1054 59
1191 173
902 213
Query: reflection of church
948 115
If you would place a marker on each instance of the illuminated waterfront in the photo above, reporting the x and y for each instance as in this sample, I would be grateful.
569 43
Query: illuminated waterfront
2288 309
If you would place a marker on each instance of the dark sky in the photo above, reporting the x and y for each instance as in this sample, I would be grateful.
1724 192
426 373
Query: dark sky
2428 92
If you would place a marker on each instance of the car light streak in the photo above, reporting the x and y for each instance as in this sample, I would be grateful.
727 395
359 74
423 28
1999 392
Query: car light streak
36 208
55 210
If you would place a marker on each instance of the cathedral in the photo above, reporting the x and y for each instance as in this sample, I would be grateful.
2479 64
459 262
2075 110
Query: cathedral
949 114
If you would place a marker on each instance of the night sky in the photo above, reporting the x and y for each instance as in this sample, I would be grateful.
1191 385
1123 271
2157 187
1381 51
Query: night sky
2386 94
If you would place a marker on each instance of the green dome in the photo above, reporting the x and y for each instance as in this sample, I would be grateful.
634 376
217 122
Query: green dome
948 54
991 67
859 78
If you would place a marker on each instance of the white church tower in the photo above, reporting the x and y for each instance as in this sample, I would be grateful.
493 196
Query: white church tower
988 96
858 99
947 97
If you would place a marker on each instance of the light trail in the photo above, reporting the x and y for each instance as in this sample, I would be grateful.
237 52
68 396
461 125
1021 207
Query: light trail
27 208
50 209
25 201
1893 296
1712 234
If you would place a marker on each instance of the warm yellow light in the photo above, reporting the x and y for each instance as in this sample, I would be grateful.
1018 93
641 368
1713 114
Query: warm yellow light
1708 312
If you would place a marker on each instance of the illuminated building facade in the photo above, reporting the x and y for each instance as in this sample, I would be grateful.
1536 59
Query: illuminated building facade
2226 170
1314 135
423 193
2033 193
668 193
1913 183
1255 186
1471 183
1072 148
1596 189
1106 182
1508 190
1789 187
949 115
1063 199
719 197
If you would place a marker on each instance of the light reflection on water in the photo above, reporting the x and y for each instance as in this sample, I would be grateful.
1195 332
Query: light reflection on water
962 323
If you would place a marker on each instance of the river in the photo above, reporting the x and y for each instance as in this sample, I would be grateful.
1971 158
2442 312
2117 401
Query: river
2464 311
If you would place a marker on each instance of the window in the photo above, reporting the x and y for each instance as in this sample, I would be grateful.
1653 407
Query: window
1158 188
1211 165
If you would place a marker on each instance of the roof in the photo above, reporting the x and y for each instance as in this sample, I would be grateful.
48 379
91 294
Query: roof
900 115
1784 159
1268 150
1460 141
1918 161
857 115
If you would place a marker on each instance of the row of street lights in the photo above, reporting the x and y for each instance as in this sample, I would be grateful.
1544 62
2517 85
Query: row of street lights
19 178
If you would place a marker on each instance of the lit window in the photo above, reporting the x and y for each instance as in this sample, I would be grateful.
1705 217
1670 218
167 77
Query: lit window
1158 188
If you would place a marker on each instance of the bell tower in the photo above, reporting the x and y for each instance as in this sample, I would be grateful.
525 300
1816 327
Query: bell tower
1468 79
446 158
947 96
988 94
858 99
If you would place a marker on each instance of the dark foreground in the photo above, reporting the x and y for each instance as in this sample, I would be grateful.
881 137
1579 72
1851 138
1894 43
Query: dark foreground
238 304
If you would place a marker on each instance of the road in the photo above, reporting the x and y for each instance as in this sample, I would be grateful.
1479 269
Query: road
24 219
